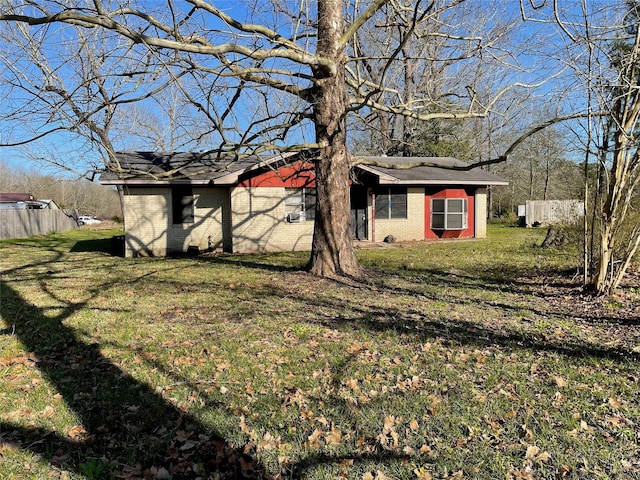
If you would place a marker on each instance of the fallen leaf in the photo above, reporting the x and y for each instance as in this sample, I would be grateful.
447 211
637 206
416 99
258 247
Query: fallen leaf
521 475
268 442
48 411
532 451
352 383
163 474
243 425
414 425
59 459
314 440
422 474
77 431
560 382
564 471
615 403
543 457
333 437
426 449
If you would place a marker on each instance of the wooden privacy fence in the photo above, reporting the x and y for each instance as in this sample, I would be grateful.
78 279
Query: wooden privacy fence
26 223
553 211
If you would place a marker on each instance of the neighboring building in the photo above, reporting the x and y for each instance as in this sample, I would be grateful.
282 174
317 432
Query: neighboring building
178 202
49 204
22 216
18 201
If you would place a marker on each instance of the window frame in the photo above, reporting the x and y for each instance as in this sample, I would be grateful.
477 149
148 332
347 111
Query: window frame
448 214
182 205
305 207
389 212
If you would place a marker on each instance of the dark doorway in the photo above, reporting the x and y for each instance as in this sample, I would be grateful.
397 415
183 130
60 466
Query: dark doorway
359 196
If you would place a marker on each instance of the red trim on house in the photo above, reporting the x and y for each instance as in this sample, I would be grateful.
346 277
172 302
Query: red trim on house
290 176
437 192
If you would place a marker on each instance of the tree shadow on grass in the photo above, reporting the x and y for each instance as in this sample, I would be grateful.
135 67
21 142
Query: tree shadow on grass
126 423
420 325
113 245
250 261
122 422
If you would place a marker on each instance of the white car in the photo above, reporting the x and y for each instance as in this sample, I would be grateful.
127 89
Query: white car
88 220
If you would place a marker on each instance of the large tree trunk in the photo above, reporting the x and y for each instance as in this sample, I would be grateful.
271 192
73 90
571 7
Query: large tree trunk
332 252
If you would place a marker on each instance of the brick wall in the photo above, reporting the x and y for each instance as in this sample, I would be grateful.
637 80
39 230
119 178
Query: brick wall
404 229
259 224
481 213
149 228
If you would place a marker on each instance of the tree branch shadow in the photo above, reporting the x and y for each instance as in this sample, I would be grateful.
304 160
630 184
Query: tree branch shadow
122 421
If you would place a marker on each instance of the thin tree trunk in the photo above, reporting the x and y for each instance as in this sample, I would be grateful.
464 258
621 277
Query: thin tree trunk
603 279
332 252
620 273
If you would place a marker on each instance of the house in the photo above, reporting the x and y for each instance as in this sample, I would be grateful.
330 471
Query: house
177 202
19 201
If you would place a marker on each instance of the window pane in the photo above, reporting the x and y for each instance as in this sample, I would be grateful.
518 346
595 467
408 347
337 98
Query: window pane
454 221
398 203
310 203
437 205
382 203
293 196
455 205
437 221
182 204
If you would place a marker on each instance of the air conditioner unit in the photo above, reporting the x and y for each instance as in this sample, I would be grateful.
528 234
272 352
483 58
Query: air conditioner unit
295 217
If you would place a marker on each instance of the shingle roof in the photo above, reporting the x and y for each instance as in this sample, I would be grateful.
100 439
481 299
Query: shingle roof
426 171
180 167
16 197
145 168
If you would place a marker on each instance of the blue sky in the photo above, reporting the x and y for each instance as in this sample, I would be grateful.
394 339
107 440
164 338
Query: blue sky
75 151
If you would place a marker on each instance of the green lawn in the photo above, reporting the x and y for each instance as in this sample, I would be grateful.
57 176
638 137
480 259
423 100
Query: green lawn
472 359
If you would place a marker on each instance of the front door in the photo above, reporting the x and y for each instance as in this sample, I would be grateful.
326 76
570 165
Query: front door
359 224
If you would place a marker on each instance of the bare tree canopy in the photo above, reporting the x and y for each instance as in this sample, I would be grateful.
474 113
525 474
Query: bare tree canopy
263 77
270 76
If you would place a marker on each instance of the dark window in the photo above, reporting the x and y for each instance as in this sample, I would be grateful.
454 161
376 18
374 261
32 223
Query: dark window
300 204
182 204
391 202
449 214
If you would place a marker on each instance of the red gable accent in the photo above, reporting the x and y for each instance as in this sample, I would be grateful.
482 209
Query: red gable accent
290 176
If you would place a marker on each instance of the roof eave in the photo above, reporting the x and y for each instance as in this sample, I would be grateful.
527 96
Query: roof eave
233 177
383 178
153 183
480 183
